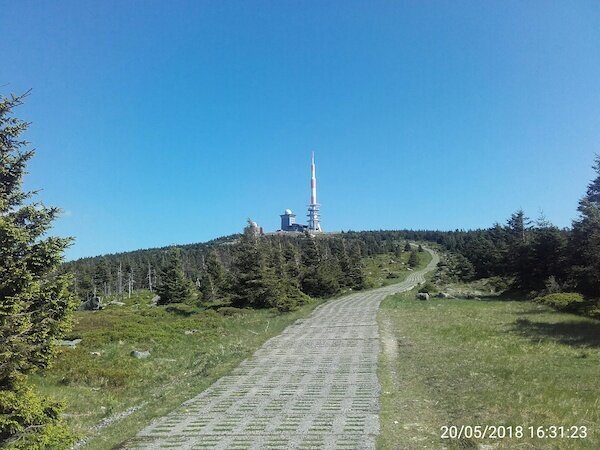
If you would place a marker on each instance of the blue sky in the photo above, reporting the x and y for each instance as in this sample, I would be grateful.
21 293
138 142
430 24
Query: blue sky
172 122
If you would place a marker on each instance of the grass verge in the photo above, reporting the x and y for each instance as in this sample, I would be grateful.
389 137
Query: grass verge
486 362
99 378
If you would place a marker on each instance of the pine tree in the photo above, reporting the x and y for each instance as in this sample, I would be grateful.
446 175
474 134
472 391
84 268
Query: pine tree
585 239
518 256
35 303
292 263
413 260
255 285
357 277
174 287
407 247
213 282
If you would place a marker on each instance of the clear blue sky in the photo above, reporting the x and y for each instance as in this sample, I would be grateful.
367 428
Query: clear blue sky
172 122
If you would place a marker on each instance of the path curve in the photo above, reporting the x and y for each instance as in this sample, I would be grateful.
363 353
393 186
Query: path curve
313 386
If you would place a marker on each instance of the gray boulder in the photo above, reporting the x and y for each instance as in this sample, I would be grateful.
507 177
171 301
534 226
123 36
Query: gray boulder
140 354
423 296
68 343
92 304
443 295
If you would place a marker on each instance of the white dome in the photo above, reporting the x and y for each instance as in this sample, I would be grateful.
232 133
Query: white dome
288 212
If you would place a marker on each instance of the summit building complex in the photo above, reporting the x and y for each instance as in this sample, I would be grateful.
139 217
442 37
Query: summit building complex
288 218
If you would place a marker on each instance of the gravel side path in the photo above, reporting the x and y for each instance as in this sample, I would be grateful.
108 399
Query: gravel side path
313 386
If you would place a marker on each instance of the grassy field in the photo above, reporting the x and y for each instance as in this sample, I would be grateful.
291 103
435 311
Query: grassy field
101 383
382 270
486 362
99 379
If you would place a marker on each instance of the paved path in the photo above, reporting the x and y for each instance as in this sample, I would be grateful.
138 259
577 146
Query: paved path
313 386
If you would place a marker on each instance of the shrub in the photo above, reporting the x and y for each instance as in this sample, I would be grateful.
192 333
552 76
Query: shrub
182 309
427 288
230 311
564 301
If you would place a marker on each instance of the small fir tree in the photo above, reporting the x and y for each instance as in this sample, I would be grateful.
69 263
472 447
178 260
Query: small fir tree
35 302
174 287
413 260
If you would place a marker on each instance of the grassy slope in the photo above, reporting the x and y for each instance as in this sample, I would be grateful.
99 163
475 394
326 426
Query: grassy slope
181 365
97 387
386 269
485 362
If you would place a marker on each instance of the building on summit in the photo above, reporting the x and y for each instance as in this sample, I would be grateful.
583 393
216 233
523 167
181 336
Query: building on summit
288 222
288 218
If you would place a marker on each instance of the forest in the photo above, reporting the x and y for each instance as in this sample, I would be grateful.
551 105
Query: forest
534 255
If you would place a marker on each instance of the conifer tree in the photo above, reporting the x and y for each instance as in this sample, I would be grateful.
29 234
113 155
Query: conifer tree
358 279
213 282
292 263
320 276
407 247
413 260
585 240
35 303
174 287
254 285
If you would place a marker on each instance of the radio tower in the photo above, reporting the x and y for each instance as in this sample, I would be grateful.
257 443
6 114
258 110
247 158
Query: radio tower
314 217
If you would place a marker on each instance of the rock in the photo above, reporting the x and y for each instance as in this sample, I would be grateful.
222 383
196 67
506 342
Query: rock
188 332
95 353
443 295
117 303
68 343
155 300
92 304
423 296
140 354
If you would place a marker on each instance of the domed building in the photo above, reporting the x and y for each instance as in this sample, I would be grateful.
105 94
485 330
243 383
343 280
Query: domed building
288 222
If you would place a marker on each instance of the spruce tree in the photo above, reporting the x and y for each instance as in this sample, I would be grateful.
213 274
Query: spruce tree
358 279
585 239
413 260
407 247
174 287
35 302
213 281
255 285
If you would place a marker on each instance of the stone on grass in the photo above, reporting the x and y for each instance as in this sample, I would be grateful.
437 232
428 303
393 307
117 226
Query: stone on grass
443 295
140 354
69 343
92 304
423 296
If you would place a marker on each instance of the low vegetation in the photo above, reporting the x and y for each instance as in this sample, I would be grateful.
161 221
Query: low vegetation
485 362
99 379
389 268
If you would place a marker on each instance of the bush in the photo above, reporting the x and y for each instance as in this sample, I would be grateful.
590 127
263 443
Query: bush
427 288
564 301
230 311
182 309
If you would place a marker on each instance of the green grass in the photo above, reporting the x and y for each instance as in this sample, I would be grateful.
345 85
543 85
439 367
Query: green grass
95 387
485 362
386 269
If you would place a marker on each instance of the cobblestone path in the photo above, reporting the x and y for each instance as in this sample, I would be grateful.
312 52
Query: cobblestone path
313 386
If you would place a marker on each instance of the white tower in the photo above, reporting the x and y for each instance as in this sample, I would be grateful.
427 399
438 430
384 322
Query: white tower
314 217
